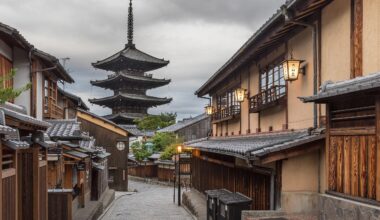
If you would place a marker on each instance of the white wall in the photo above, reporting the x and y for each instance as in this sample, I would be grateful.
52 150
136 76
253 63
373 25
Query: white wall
22 77
5 50
39 98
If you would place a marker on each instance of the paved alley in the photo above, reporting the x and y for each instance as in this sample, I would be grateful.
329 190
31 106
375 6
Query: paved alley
153 202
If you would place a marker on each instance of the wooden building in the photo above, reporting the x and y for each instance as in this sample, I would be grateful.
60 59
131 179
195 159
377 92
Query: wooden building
24 169
114 139
70 103
130 82
266 142
190 129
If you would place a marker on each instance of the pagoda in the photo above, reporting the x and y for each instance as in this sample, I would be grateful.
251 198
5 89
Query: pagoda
130 81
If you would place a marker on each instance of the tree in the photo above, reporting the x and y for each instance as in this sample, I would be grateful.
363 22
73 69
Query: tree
7 94
163 140
140 151
155 122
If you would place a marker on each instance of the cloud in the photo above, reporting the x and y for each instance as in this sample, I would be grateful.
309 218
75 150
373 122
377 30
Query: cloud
197 37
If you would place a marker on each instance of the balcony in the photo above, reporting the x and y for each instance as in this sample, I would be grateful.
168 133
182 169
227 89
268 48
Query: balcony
226 114
52 110
266 99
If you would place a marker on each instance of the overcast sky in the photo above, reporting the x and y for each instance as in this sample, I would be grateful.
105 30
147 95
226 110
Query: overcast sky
197 36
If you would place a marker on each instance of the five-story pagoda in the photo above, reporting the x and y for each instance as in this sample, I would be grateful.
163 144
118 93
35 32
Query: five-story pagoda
130 81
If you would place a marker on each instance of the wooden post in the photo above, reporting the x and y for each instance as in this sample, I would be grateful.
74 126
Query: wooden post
356 38
377 149
36 183
1 181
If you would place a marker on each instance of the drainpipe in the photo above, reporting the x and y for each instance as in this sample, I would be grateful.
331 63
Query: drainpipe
31 109
289 19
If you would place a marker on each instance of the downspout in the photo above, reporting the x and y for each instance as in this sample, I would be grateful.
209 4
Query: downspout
289 18
32 109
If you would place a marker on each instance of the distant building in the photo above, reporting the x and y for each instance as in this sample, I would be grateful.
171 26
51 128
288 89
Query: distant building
191 128
129 81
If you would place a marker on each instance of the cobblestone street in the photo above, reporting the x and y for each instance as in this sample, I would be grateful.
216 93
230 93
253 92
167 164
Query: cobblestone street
153 202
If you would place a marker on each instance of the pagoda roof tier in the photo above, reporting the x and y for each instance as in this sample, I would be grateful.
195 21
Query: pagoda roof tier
130 58
119 80
131 99
124 117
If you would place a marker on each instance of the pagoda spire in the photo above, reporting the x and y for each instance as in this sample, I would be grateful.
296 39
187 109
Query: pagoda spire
130 24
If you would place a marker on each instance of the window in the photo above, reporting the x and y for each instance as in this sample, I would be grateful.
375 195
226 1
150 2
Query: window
271 77
51 109
227 100
5 69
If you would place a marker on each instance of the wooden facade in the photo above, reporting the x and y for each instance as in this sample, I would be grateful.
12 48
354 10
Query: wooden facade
107 135
212 171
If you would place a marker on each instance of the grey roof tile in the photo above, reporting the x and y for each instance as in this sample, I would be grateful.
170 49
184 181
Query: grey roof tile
19 113
184 123
64 129
330 89
132 129
255 145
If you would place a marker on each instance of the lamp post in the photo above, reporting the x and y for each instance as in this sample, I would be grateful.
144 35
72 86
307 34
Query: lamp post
179 151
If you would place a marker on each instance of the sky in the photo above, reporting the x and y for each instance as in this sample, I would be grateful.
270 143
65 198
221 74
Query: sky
197 36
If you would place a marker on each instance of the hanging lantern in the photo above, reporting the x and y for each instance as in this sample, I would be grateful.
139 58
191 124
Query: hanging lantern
240 94
291 69
209 110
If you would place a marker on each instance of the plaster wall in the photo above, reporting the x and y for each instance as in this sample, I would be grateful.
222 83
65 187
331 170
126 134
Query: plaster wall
245 105
22 77
371 36
301 173
336 41
302 46
6 50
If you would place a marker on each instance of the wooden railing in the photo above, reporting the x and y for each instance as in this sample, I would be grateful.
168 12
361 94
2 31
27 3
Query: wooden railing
226 113
267 98
53 111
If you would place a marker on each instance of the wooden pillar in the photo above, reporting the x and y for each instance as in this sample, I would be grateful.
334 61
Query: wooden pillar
356 38
36 183
377 149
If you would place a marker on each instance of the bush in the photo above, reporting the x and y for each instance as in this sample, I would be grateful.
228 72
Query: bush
162 140
140 151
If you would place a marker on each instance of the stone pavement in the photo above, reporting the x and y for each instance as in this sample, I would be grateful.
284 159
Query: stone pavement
150 202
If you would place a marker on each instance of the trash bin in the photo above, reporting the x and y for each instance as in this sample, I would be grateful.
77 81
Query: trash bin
212 200
231 206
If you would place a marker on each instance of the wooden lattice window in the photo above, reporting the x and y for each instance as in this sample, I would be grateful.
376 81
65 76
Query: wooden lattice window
5 69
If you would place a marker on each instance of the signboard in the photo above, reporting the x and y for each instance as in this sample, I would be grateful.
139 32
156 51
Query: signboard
81 166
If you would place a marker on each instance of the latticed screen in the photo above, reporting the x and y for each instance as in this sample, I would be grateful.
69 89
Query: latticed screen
5 70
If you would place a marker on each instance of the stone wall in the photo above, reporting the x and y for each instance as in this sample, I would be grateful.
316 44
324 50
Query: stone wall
313 206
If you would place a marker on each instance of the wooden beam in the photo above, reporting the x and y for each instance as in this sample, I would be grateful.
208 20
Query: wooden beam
356 38
354 131
378 149
1 181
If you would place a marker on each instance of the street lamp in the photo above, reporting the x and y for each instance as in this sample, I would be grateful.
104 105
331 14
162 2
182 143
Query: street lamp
179 151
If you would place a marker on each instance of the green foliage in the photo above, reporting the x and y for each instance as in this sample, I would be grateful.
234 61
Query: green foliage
140 151
163 140
155 122
168 152
7 94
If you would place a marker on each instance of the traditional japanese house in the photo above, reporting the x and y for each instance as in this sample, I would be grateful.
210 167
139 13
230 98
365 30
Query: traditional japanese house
70 103
114 139
76 164
24 177
190 129
268 144
130 81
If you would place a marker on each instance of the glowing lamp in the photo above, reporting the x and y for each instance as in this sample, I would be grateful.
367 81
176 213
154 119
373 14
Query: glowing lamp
179 149
291 69
209 110
240 94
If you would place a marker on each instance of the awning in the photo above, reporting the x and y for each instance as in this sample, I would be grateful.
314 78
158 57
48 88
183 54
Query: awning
256 146
359 85
75 155
103 155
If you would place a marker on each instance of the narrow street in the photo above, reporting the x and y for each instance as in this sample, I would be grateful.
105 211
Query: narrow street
153 202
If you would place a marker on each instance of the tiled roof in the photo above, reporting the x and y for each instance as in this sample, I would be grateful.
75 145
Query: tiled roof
19 113
330 89
256 145
13 141
87 143
130 58
64 129
184 123
147 80
132 129
74 98
131 97
75 154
